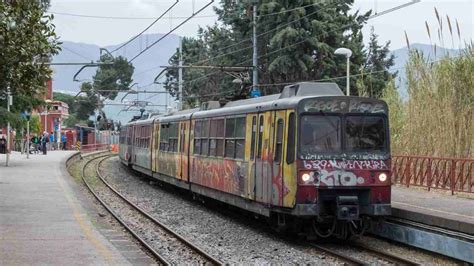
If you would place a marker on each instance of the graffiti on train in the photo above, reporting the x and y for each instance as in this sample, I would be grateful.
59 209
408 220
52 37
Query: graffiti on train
345 164
339 178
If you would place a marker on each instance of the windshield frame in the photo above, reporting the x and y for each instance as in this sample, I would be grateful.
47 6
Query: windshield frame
343 150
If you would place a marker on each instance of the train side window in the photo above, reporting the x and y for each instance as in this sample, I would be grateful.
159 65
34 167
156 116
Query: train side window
279 141
235 138
197 137
252 141
291 145
220 137
173 137
213 137
205 138
229 137
260 137
240 137
164 138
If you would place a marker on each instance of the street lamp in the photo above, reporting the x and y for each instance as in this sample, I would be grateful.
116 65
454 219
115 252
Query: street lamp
347 53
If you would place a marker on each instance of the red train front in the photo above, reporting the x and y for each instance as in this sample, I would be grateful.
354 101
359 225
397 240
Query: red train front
343 163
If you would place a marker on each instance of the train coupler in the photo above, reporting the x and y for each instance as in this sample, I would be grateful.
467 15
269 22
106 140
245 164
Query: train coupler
347 208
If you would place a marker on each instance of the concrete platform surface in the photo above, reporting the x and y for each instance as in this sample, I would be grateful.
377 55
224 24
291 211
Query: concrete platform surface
437 208
41 219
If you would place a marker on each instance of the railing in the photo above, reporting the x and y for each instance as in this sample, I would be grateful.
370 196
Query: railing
93 147
432 172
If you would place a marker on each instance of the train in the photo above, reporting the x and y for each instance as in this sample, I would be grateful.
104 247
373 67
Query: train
308 159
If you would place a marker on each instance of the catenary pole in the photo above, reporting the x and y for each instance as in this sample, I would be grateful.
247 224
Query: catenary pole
255 92
180 78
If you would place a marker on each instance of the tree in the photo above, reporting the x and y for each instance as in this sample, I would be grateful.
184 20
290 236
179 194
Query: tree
27 41
296 42
375 72
117 75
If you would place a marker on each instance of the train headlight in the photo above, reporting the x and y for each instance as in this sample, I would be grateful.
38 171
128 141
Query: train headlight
306 177
382 177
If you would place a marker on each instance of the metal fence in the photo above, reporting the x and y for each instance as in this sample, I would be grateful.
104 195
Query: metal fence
433 172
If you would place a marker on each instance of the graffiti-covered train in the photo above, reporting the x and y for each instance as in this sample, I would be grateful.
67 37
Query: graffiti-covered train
309 158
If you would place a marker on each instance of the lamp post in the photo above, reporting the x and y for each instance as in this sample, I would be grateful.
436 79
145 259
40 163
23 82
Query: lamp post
9 103
347 53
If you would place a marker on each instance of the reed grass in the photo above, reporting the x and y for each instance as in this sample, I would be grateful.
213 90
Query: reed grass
437 119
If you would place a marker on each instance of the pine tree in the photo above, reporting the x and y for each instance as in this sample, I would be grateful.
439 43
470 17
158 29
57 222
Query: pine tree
375 72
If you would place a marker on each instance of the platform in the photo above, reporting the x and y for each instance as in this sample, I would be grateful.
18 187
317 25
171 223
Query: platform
43 222
437 208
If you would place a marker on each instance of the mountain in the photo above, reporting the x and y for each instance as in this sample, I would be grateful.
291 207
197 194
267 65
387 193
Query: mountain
147 66
401 58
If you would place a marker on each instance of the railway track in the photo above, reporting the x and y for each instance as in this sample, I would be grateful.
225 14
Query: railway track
364 251
169 242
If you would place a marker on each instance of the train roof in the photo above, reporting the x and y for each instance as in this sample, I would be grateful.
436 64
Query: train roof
290 96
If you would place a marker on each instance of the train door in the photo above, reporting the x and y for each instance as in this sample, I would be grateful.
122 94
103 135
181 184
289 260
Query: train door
276 157
154 146
262 168
183 158
252 132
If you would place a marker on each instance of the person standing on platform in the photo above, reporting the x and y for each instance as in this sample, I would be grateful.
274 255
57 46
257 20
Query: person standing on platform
34 141
64 141
44 142
51 141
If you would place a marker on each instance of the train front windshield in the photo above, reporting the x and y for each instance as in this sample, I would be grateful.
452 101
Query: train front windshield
334 134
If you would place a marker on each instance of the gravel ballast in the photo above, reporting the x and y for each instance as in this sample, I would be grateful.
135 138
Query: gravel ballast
226 234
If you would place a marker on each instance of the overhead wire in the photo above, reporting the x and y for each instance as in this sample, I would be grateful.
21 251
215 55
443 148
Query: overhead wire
171 31
121 18
148 27
258 35
74 52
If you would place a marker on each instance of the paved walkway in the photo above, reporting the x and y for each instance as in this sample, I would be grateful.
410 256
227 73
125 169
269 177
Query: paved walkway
438 208
41 220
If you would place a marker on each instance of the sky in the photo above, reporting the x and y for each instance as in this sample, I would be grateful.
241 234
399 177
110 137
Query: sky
389 27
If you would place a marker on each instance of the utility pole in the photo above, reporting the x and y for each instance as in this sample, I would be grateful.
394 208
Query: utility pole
255 91
180 74
9 102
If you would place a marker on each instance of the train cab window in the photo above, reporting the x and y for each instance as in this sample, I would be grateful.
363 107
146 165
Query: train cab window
320 133
260 137
279 141
290 145
363 133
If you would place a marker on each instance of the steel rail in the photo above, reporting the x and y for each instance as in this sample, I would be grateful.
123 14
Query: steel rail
397 260
186 242
350 260
155 254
